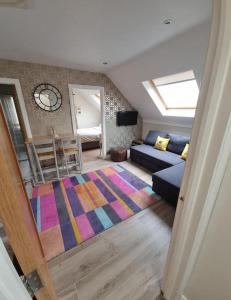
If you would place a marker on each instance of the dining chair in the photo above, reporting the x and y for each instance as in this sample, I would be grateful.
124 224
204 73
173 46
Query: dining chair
72 153
45 156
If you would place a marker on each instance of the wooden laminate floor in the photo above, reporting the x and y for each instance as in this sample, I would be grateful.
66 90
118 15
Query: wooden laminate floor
90 155
124 262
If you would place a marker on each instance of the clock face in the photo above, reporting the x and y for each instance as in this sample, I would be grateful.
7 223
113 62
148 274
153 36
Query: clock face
47 97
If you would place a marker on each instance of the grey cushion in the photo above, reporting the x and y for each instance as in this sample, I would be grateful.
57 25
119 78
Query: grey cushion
152 136
161 158
167 182
177 142
172 175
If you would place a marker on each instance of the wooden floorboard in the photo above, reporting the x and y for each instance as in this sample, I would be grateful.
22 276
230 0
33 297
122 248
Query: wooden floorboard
124 262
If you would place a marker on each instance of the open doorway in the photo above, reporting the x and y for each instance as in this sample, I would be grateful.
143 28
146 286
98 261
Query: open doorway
10 104
88 120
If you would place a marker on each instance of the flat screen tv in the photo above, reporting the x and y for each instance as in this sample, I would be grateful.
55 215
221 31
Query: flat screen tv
125 118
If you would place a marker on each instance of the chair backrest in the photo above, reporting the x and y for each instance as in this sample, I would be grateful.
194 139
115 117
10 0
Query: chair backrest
71 147
72 142
44 148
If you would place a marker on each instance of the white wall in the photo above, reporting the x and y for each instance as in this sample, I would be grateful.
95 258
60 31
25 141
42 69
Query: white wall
173 128
211 276
11 287
180 53
90 115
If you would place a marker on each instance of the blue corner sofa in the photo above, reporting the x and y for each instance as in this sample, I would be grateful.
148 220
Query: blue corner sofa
167 166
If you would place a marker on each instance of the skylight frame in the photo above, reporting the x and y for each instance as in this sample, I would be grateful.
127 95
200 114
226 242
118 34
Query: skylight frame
152 89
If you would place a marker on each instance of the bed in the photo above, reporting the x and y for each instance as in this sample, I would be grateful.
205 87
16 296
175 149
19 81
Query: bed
90 137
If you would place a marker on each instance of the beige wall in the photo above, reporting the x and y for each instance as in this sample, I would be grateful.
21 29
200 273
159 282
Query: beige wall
30 75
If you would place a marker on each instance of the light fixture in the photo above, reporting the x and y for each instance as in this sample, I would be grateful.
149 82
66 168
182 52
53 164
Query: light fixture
168 21
105 63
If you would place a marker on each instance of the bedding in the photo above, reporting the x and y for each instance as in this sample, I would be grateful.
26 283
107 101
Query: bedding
90 137
93 131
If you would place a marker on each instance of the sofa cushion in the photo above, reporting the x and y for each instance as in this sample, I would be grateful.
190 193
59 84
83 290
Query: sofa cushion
177 143
163 159
167 182
172 175
161 143
184 154
152 136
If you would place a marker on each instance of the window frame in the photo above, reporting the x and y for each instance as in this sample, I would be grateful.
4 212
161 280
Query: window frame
152 89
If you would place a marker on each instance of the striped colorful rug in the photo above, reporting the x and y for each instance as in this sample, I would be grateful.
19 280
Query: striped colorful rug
72 210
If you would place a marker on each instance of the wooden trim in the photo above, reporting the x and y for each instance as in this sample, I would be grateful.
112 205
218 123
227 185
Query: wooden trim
16 215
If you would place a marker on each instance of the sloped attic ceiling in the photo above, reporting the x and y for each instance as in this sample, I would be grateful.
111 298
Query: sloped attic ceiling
82 34
183 52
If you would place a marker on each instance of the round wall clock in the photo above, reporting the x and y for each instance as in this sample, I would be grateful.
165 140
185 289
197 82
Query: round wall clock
47 97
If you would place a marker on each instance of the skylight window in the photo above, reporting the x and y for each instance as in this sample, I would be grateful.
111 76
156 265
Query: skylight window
174 95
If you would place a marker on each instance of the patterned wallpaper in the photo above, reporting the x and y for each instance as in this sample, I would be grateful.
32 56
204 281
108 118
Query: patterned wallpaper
31 75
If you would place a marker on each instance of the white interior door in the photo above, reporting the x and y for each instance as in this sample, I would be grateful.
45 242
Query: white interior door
210 148
11 287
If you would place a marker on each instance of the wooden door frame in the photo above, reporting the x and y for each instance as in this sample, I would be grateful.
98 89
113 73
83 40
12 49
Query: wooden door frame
17 218
102 112
16 83
210 149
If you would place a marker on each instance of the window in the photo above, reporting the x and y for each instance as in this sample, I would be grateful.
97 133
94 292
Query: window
174 95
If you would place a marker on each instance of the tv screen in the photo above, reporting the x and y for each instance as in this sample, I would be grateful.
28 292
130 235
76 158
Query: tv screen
125 118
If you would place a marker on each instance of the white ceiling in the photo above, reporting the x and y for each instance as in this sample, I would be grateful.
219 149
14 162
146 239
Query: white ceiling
186 51
84 33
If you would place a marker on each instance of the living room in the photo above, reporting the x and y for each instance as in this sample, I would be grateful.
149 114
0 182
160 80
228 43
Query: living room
98 205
